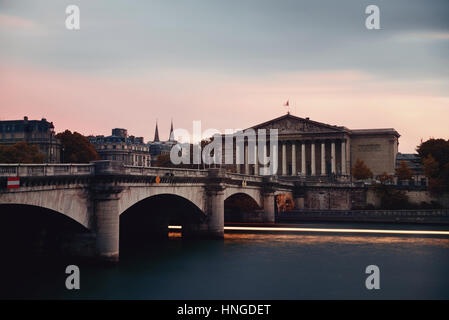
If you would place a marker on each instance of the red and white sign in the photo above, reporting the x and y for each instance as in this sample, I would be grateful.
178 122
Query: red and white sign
13 182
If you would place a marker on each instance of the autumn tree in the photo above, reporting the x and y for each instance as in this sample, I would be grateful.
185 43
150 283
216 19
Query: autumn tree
21 152
434 154
385 178
361 171
77 148
404 172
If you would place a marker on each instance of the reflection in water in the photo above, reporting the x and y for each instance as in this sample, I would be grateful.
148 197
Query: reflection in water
336 239
252 265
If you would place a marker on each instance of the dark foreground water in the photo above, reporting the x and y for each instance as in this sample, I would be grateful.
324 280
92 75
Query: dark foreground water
251 266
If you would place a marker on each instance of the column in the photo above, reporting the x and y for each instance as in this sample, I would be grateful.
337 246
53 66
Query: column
268 207
256 161
284 158
303 158
293 159
246 160
312 146
274 156
343 157
265 155
323 158
333 156
237 156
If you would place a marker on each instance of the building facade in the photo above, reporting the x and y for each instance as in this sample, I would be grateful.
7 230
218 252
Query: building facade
120 147
309 148
34 132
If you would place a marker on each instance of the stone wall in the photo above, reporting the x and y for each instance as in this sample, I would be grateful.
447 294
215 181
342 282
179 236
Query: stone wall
377 151
327 198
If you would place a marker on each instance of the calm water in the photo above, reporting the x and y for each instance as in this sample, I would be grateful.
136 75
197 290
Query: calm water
253 266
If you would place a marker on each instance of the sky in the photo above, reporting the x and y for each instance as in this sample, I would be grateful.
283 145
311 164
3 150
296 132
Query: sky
230 64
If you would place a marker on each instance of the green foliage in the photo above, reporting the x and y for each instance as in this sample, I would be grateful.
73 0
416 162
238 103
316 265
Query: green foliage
77 148
21 152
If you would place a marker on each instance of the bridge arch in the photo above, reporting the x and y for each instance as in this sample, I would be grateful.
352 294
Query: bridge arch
254 193
242 207
72 203
33 229
149 219
133 195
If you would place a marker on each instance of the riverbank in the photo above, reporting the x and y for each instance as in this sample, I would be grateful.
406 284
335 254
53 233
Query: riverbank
440 216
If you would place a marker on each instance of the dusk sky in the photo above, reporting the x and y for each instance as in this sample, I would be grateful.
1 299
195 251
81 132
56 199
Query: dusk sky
231 64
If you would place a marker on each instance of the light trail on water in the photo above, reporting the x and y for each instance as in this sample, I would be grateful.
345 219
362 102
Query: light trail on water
330 230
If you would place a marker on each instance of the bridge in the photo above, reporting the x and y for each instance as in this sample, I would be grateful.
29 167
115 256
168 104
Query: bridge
98 194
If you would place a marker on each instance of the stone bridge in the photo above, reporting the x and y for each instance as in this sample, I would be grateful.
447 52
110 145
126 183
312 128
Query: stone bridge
96 194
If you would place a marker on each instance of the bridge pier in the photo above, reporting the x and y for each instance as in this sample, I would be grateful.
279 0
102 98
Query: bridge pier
213 225
268 207
107 222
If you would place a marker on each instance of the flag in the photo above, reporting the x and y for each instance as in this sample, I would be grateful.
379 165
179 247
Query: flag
13 182
286 104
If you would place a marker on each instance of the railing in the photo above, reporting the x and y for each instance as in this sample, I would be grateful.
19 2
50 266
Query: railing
42 170
158 171
109 167
27 170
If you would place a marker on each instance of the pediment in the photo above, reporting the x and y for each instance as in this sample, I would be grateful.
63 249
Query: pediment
291 124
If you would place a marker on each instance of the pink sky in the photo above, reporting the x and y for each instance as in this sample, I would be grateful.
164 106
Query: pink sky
93 104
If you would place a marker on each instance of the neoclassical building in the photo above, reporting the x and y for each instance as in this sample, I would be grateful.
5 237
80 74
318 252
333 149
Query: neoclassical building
309 148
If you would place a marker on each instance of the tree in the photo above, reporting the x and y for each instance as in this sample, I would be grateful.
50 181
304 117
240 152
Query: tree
385 178
361 171
434 154
77 148
431 166
404 172
21 152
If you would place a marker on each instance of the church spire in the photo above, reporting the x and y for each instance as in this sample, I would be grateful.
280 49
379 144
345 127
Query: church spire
172 134
156 134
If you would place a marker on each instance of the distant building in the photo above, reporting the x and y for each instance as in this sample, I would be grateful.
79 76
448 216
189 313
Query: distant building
413 161
314 150
158 147
34 132
121 147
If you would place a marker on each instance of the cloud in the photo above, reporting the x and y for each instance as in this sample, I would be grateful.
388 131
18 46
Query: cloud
9 21
422 36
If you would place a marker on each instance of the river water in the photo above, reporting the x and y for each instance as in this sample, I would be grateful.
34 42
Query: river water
251 265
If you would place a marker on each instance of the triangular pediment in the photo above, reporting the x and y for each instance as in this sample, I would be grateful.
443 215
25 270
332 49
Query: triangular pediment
291 124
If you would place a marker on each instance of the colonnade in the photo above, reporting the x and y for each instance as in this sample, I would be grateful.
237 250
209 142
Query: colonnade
309 164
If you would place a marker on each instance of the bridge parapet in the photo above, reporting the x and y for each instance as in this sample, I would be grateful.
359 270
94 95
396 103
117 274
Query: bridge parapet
159 171
43 170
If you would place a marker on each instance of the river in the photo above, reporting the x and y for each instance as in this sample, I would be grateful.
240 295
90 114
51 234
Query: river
254 265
